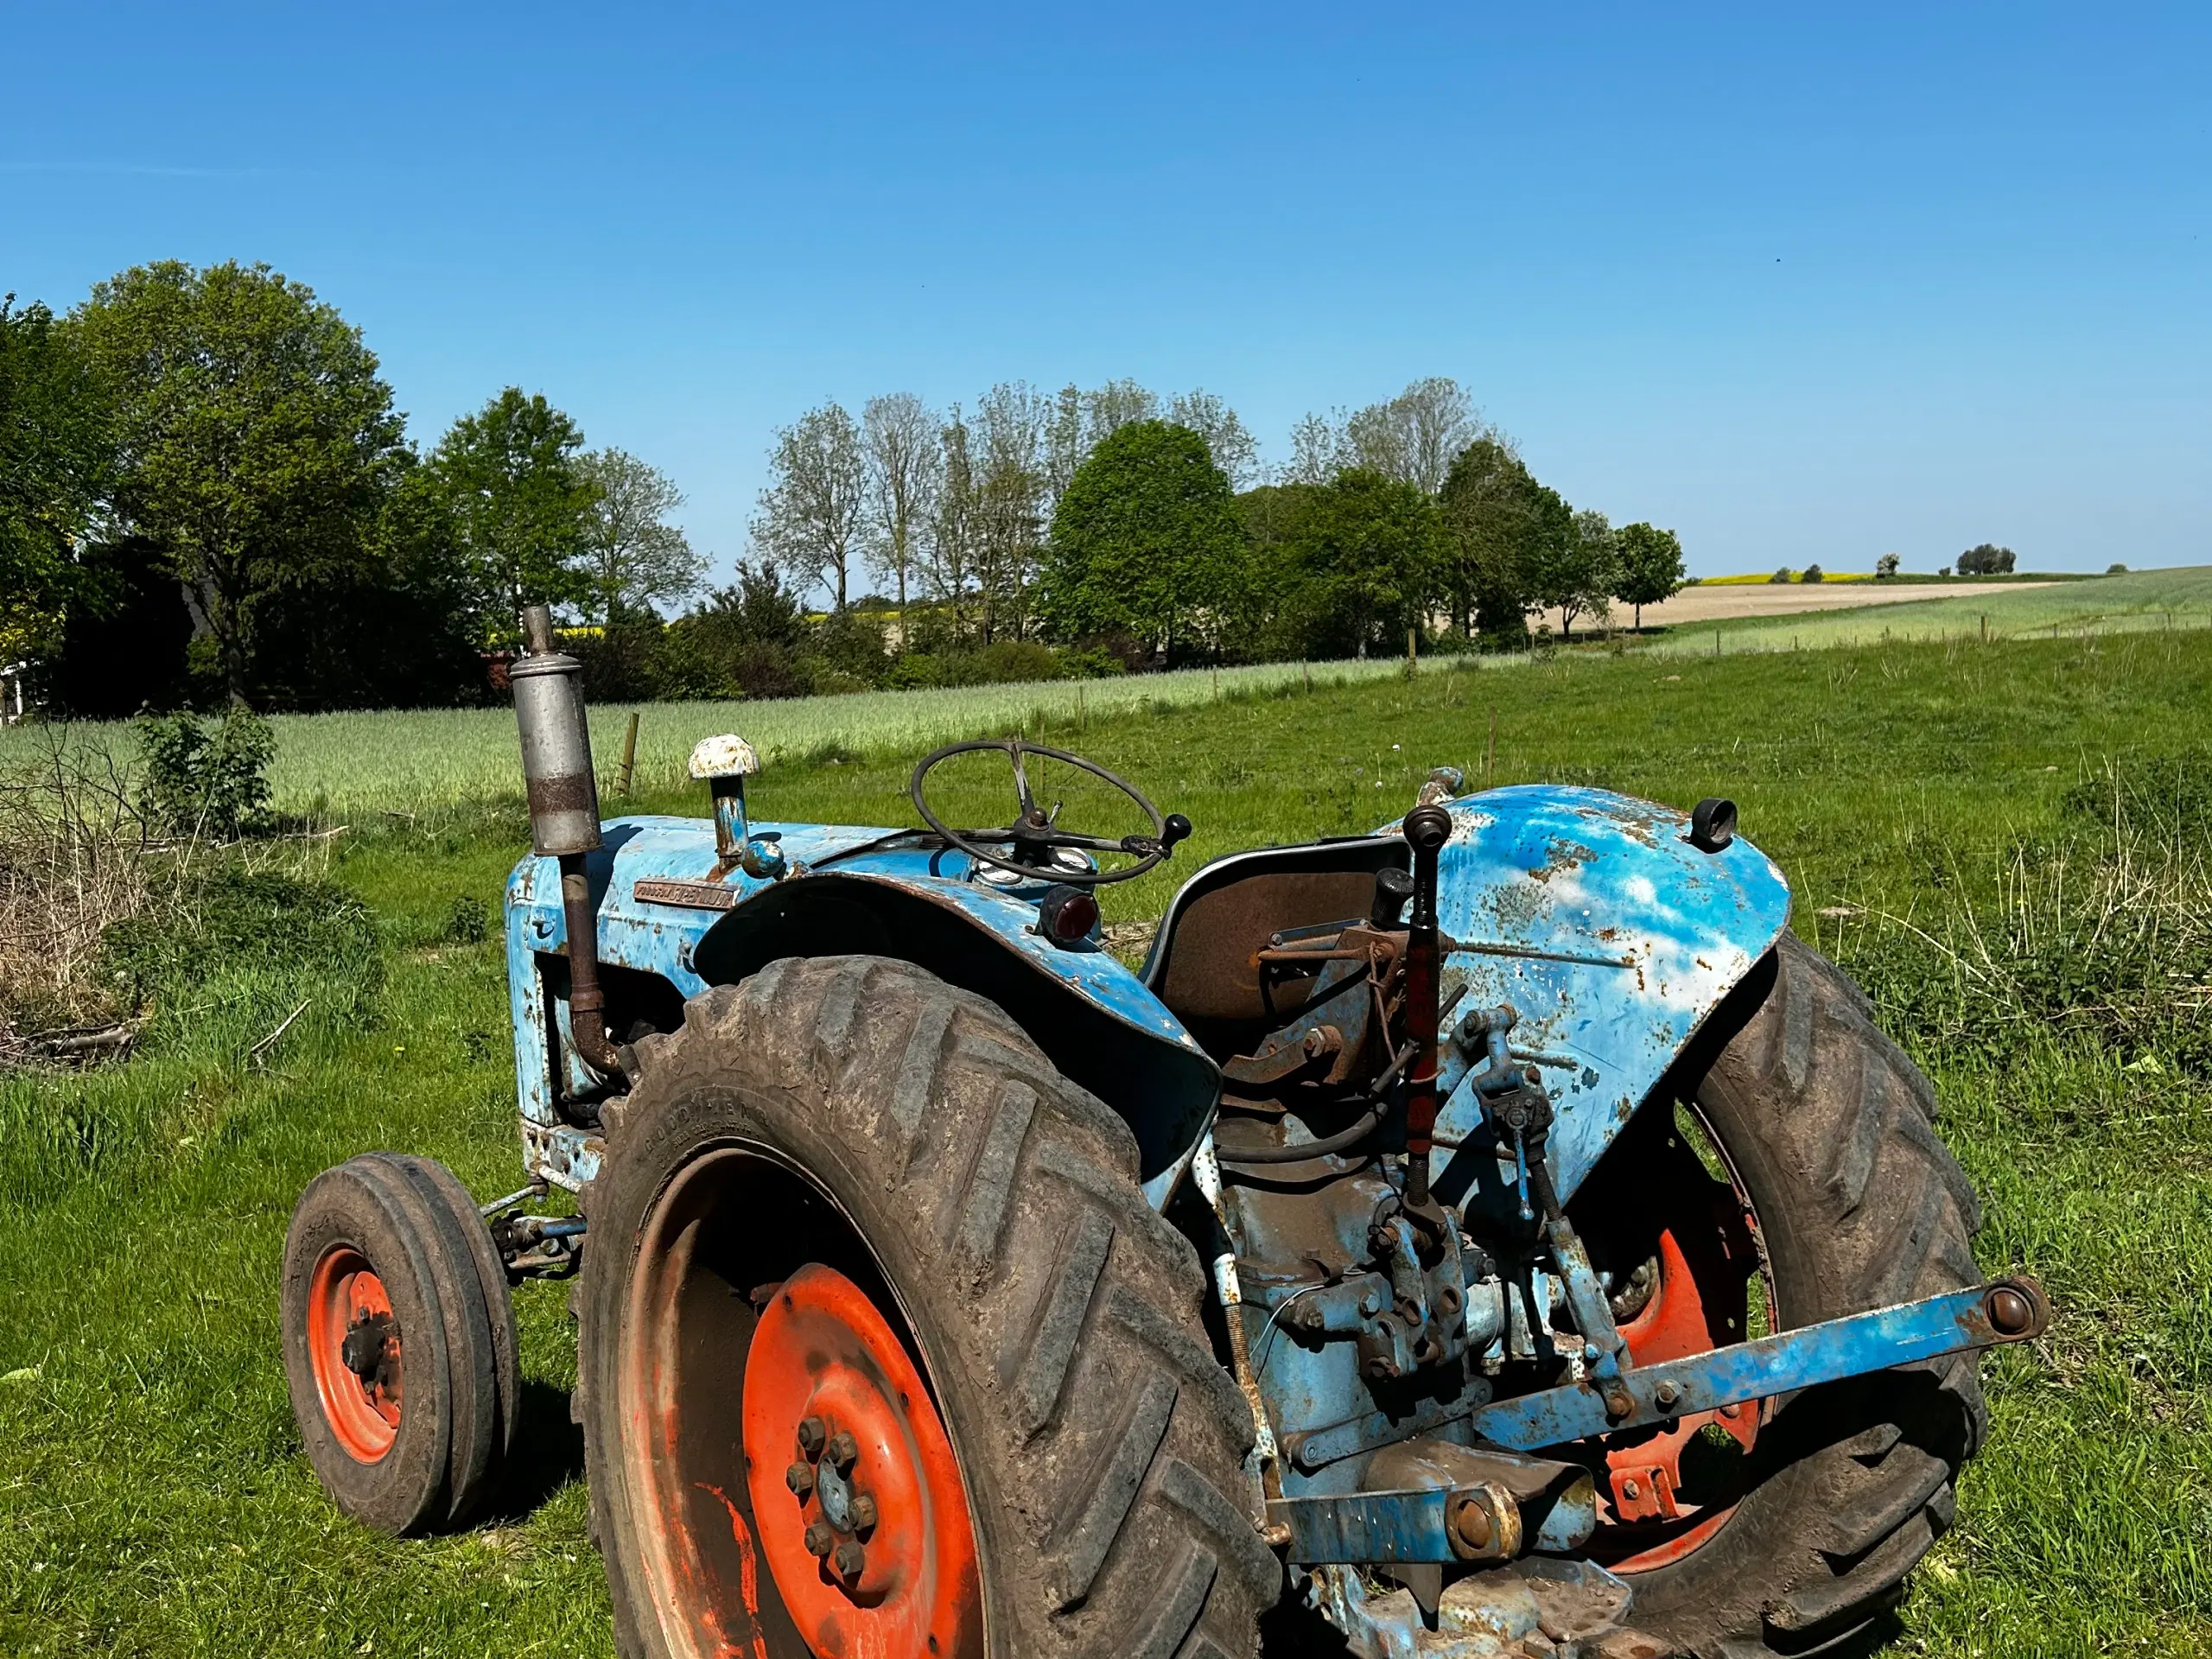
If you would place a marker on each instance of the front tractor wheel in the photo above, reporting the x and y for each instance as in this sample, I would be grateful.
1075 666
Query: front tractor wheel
883 1352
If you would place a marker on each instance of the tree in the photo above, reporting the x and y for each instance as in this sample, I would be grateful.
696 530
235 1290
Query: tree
812 513
637 556
905 464
1316 451
1885 567
1146 540
1581 570
1368 551
56 449
1234 450
1007 505
513 477
254 439
1813 573
950 554
1651 568
1416 436
1501 528
1114 405
1986 560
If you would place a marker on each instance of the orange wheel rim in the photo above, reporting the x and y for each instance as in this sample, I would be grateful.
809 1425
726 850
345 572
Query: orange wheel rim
354 1347
863 1515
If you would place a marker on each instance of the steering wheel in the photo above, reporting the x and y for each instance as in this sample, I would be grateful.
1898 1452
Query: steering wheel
1033 836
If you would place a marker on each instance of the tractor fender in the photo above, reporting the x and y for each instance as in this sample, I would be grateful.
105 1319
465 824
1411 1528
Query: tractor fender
1611 935
665 911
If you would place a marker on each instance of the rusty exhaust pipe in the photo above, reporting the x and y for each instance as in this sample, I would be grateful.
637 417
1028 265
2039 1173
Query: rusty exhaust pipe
564 796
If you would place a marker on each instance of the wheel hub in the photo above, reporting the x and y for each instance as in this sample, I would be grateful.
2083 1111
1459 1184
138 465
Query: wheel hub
353 1348
863 1516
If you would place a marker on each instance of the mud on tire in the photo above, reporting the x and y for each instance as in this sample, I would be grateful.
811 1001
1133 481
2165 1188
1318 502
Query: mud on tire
1055 1314
1830 1129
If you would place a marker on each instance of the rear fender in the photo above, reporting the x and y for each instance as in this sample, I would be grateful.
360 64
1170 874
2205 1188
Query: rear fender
667 913
1612 937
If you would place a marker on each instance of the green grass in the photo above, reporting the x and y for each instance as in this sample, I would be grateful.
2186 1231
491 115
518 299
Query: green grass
153 1498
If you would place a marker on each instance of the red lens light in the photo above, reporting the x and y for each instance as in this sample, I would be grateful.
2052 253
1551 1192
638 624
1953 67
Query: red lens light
1068 917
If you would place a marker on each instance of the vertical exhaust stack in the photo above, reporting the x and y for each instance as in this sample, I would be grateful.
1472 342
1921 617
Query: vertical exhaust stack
563 797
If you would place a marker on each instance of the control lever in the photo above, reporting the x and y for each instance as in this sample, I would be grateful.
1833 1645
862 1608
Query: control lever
1426 829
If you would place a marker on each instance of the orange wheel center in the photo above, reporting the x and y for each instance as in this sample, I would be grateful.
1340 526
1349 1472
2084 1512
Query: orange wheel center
353 1348
854 1481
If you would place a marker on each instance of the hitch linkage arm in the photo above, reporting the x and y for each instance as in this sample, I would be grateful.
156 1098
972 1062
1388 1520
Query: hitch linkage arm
2007 1310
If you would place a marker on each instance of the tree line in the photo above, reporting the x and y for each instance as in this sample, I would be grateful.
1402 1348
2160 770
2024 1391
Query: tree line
207 494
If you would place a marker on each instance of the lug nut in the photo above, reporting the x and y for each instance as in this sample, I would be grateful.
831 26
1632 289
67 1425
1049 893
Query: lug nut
843 1451
1666 1395
820 1541
811 1434
800 1478
849 1559
863 1512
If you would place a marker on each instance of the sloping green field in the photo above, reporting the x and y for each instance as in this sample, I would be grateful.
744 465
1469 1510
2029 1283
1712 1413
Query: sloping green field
2006 845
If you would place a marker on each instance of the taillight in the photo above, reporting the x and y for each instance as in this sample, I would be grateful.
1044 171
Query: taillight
1066 915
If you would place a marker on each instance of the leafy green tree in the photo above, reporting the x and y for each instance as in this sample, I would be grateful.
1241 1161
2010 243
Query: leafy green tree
255 440
55 455
1503 532
1368 553
1986 560
1146 540
1579 570
1885 567
513 477
1651 568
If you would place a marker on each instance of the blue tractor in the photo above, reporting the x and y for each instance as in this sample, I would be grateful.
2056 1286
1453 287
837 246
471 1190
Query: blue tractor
1494 1234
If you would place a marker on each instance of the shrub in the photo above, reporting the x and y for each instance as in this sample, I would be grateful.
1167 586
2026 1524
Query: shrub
2115 569
199 781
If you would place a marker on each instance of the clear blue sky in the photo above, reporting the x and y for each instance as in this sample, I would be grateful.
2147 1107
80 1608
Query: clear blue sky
1900 279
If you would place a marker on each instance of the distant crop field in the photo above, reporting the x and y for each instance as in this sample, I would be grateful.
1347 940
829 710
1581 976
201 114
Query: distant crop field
2146 600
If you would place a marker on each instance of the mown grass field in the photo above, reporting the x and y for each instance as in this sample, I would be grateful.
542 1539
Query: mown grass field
1959 807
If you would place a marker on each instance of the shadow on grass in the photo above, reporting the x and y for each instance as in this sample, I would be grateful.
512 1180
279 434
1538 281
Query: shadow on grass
548 1453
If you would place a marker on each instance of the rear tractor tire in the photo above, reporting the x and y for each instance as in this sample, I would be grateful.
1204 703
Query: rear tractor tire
882 1351
399 1343
1831 1496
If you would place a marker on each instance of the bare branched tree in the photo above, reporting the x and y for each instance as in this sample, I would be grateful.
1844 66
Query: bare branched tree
949 557
1114 405
906 465
1317 450
1013 422
813 511
1416 436
637 556
1234 450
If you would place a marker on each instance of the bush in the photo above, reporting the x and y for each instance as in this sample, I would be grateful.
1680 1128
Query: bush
2115 569
204 782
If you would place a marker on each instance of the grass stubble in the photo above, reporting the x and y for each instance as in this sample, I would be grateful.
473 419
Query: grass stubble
1972 830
